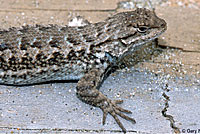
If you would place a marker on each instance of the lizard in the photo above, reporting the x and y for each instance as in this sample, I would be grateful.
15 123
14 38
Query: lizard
42 53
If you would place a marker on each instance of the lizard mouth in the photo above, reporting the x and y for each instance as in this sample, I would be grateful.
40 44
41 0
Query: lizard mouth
136 44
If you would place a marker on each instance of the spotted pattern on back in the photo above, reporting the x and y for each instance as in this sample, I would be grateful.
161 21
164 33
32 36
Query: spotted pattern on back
34 54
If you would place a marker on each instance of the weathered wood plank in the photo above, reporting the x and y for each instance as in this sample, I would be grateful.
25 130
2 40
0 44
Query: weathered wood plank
183 27
59 4
183 23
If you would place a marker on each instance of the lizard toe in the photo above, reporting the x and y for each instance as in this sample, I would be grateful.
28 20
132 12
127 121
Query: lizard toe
111 107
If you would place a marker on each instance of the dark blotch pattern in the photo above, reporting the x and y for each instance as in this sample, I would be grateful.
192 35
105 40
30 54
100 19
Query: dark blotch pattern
3 46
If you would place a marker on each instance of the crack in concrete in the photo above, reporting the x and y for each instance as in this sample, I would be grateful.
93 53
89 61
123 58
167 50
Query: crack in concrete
167 116
66 130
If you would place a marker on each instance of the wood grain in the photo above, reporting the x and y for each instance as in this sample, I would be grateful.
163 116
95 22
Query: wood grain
183 25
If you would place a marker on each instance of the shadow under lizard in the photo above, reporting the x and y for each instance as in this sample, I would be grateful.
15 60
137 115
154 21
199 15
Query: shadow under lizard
37 54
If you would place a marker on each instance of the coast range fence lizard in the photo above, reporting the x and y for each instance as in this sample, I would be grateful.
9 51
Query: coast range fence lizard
37 54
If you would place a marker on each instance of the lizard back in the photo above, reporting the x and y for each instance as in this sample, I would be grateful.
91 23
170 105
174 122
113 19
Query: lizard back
34 54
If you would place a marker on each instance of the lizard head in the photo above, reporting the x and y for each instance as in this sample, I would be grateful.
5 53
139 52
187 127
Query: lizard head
133 29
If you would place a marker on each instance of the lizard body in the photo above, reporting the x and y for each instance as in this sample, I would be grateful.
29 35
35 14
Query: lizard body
36 54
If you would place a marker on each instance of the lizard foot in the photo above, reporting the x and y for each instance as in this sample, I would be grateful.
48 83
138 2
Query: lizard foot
111 107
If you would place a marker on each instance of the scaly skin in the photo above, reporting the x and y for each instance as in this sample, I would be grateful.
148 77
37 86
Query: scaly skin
35 54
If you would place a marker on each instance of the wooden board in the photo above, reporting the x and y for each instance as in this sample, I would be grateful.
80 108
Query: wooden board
183 25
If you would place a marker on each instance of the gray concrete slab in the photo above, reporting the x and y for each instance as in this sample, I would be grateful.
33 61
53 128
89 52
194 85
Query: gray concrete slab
55 107
184 106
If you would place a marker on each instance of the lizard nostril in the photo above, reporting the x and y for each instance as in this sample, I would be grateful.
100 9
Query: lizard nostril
163 24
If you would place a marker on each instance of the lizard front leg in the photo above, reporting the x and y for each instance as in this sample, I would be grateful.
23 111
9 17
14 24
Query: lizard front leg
87 92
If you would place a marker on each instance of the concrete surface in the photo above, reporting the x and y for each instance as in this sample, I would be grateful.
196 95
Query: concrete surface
163 93
55 108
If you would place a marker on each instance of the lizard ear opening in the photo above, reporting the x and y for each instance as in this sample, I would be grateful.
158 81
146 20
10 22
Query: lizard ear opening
142 29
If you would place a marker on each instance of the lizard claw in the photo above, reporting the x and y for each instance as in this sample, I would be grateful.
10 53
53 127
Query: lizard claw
110 107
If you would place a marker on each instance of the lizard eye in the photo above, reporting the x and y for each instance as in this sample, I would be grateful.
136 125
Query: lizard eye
142 29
